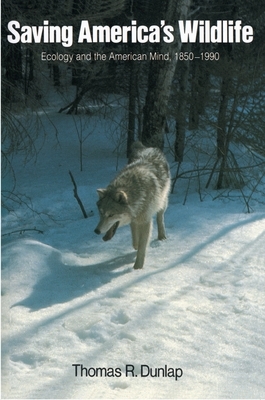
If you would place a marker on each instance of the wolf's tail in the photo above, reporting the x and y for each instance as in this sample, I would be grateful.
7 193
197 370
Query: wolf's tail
136 149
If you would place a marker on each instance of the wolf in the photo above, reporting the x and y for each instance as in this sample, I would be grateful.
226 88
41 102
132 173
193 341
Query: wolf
138 192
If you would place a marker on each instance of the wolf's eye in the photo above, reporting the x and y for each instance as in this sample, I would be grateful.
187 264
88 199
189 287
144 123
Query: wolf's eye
110 215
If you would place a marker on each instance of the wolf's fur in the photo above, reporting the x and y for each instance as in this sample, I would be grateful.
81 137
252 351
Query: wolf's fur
138 192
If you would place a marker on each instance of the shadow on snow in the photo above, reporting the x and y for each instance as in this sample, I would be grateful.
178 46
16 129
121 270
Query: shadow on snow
64 283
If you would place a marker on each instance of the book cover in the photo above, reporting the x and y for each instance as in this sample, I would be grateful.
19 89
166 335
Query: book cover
140 123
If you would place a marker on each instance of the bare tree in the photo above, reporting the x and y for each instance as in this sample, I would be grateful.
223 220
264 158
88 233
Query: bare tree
160 79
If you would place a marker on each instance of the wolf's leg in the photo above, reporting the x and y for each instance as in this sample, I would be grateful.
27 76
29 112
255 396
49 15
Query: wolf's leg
144 231
135 235
161 225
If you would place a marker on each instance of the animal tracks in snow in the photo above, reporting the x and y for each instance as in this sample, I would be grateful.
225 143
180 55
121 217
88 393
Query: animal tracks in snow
28 359
127 336
89 327
120 385
121 318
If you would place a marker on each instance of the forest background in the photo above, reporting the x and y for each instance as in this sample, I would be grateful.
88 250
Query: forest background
212 110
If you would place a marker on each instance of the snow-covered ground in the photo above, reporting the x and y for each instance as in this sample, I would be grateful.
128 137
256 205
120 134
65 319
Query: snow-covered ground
197 308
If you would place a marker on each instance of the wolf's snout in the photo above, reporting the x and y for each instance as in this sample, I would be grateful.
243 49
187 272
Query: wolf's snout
97 231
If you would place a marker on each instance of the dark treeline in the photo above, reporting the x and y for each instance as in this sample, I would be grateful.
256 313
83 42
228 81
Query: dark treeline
219 96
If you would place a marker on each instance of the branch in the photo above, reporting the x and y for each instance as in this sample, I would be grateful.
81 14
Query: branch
77 197
21 231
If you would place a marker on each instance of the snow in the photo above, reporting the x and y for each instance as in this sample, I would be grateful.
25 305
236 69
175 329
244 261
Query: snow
69 298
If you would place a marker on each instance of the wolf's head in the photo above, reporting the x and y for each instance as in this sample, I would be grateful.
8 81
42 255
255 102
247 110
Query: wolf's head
113 211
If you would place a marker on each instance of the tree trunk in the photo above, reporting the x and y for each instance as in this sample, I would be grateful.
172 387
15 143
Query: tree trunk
222 134
29 67
194 111
160 78
181 110
199 93
56 75
131 107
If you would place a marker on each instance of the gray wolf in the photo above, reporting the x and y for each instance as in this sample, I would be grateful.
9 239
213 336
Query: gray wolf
139 191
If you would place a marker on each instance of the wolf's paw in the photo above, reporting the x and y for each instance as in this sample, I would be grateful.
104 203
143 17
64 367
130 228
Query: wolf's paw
138 266
162 237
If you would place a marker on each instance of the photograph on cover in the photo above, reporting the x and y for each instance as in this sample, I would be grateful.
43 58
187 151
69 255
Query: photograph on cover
133 199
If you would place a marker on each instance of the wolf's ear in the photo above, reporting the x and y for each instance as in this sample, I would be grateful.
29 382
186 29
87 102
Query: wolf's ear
121 197
101 193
